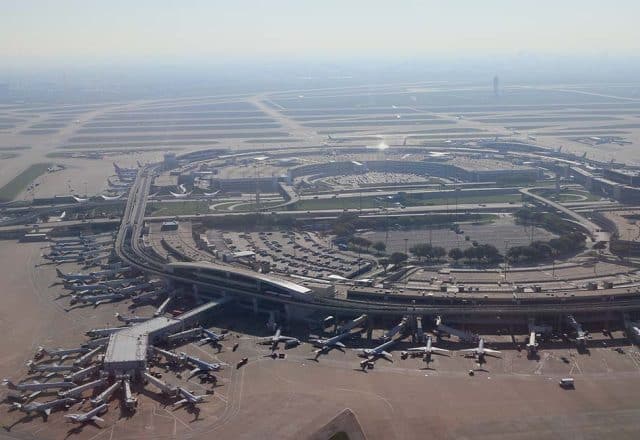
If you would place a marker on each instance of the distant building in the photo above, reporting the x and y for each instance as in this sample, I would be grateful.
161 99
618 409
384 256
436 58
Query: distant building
170 161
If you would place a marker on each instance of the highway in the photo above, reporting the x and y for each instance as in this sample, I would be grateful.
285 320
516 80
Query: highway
129 249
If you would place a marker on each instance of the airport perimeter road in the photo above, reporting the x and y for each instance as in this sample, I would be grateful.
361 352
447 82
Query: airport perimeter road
594 230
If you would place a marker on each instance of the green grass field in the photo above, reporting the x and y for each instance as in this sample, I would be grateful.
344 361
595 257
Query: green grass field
374 202
11 190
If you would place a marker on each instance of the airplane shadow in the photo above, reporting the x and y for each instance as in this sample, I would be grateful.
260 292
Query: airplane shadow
78 429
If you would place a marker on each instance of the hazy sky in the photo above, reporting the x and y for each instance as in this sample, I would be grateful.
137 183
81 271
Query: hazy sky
70 29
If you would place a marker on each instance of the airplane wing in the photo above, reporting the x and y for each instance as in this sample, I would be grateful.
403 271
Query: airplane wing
489 351
340 344
180 402
97 419
387 356
469 350
195 371
414 349
439 350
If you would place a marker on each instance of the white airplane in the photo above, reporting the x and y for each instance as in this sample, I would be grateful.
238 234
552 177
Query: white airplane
277 338
480 351
37 386
44 407
130 319
200 365
428 350
326 345
96 300
60 353
122 281
211 337
532 344
89 416
73 276
373 354
86 287
581 335
188 398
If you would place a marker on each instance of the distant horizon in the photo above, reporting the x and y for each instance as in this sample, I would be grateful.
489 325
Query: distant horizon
41 30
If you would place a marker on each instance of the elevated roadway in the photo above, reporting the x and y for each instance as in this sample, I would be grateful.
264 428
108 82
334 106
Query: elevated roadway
596 233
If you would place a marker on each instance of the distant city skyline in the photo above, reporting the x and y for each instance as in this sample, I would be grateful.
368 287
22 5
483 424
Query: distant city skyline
43 31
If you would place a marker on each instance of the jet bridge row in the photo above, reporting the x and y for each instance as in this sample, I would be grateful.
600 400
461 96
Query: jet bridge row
127 349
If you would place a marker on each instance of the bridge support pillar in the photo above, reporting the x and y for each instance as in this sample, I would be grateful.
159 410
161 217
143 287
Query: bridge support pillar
369 329
196 293
287 312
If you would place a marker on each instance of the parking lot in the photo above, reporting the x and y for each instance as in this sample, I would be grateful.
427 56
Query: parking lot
297 253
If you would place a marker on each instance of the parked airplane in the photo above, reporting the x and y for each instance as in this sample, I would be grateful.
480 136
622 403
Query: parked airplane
188 398
581 335
37 386
480 351
200 365
89 416
326 345
277 338
373 354
86 287
44 407
74 276
428 350
130 319
122 281
96 300
532 344
211 337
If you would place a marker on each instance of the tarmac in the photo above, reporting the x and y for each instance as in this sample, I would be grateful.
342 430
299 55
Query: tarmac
511 397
